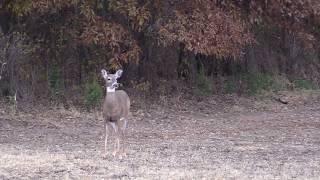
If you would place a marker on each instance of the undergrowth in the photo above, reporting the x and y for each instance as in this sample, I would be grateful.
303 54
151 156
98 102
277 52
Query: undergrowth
55 82
203 84
257 83
93 94
304 84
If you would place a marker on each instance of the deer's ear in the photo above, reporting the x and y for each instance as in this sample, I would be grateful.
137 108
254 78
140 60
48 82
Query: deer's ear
104 74
119 73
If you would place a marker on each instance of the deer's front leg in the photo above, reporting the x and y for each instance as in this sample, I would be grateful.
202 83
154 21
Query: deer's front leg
107 131
117 140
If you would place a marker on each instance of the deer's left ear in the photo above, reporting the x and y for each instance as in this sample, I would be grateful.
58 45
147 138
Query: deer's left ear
119 73
104 74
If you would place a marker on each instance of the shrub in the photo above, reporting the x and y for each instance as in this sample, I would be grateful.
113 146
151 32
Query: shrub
281 82
303 84
203 84
255 83
259 82
230 85
93 94
55 81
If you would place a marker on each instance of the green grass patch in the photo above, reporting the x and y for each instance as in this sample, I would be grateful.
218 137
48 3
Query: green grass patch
93 94
55 82
304 84
203 85
255 83
258 83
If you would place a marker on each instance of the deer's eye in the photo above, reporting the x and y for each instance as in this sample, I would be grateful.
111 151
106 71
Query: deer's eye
109 79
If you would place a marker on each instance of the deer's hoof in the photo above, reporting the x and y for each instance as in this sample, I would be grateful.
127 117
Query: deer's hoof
104 156
114 153
122 155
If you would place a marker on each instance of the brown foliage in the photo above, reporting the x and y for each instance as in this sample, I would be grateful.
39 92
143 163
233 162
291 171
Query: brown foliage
112 36
298 17
50 6
137 15
207 30
82 23
220 27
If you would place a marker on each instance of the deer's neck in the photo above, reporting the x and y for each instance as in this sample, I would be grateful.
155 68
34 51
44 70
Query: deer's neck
111 97
111 90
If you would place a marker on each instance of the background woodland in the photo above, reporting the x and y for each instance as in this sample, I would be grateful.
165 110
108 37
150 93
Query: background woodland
53 50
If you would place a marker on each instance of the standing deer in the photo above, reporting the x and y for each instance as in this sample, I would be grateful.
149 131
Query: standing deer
116 110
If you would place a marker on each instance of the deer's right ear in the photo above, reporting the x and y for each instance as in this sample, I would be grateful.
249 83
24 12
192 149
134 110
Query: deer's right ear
104 74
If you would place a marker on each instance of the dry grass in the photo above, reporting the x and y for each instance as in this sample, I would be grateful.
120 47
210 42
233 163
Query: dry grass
236 139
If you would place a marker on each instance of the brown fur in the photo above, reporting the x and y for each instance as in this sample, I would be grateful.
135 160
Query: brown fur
116 106
116 109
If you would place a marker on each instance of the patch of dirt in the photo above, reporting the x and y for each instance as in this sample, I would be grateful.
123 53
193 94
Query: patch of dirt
222 138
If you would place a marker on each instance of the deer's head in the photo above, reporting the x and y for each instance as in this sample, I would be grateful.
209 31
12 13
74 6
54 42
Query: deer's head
111 79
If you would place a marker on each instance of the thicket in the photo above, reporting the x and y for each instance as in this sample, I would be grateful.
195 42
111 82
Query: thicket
53 48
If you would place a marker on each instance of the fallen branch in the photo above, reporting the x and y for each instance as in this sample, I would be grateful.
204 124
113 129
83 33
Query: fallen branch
281 101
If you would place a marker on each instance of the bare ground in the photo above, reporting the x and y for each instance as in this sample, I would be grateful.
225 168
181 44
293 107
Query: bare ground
228 138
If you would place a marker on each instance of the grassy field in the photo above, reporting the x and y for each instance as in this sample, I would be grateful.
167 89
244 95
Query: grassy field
238 140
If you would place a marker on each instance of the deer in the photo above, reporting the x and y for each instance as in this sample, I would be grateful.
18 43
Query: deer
115 112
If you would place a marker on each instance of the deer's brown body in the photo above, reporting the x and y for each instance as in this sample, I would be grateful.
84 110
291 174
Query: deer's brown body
116 105
116 109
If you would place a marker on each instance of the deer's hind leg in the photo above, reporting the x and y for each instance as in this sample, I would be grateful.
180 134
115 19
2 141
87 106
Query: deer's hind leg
122 133
107 134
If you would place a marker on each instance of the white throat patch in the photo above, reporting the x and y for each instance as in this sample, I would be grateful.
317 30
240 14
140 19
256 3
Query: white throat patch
109 89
